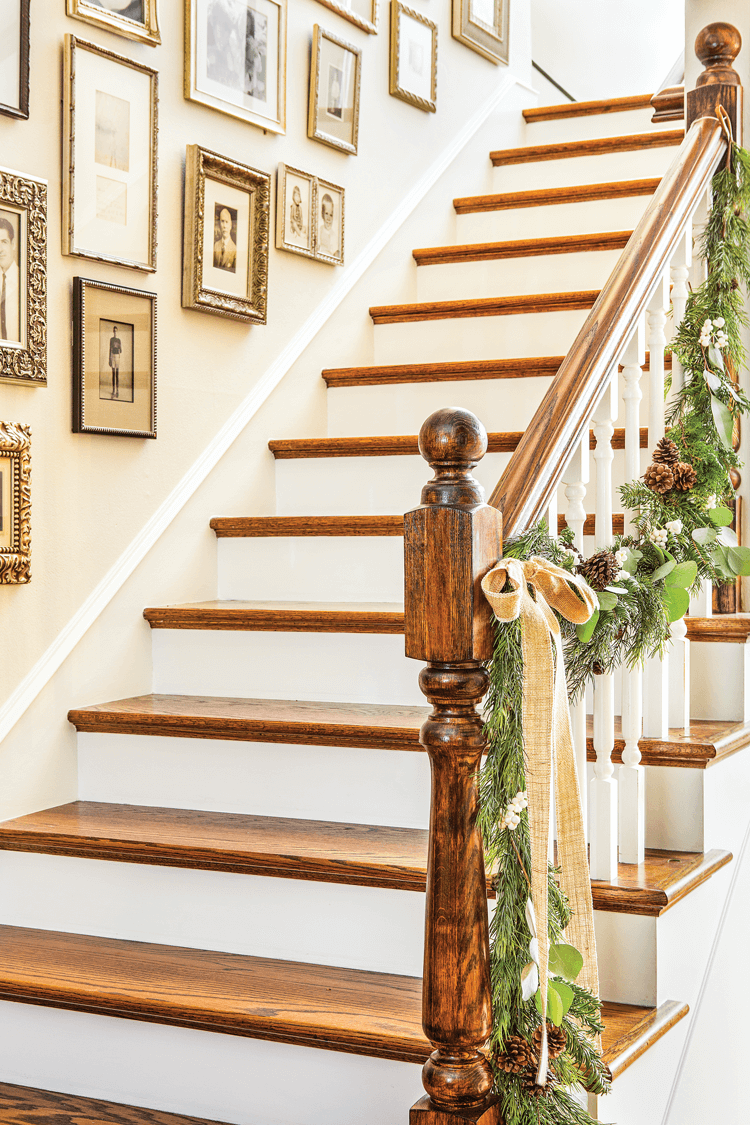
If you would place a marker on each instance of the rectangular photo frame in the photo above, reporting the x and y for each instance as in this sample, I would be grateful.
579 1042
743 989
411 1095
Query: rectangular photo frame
134 19
295 211
335 80
226 236
14 73
110 116
235 59
482 25
413 69
23 278
114 360
362 13
15 504
329 223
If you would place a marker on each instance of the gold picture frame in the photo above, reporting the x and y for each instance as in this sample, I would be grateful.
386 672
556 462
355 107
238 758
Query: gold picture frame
413 45
366 22
114 360
15 504
309 216
250 85
329 238
226 236
482 25
23 278
14 78
143 30
110 138
333 114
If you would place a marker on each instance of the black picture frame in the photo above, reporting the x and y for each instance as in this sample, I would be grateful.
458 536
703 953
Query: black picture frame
21 111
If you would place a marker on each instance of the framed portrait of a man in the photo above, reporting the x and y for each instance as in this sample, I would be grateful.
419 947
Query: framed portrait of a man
134 19
15 504
114 360
109 157
23 278
483 26
413 70
235 58
335 80
225 255
14 57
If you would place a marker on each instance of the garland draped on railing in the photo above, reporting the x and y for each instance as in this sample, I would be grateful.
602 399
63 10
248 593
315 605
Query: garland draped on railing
681 511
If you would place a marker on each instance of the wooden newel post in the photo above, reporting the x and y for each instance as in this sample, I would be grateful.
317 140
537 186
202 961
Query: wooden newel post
450 543
717 46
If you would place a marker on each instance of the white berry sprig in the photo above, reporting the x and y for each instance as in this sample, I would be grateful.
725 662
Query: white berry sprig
512 817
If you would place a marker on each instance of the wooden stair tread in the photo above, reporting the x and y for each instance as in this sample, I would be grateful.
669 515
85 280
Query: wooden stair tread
631 1030
724 628
709 741
587 109
526 303
263 527
595 146
522 248
286 617
23 1105
543 197
322 851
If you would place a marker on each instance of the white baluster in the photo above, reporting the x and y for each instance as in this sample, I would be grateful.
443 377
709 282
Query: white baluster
552 511
699 268
679 676
575 478
680 271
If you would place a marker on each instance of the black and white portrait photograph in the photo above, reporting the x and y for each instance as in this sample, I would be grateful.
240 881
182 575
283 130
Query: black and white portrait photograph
335 79
10 277
14 58
335 107
225 243
295 200
115 360
134 19
329 225
237 47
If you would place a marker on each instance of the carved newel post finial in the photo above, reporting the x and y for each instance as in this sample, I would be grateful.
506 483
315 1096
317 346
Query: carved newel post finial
717 46
450 542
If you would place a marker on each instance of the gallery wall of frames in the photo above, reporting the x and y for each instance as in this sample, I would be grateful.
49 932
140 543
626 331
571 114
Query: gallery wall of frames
262 86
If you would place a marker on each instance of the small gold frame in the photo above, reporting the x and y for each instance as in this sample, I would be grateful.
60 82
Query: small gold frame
321 255
429 105
21 110
370 26
200 165
314 130
27 196
489 41
15 447
144 31
282 208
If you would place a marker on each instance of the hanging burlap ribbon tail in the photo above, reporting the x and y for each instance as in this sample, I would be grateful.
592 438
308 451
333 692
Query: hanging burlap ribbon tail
547 737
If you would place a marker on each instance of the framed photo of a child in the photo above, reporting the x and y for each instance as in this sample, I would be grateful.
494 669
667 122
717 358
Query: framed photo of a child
335 80
309 216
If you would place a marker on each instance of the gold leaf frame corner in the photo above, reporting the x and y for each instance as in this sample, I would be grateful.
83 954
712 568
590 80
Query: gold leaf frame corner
15 561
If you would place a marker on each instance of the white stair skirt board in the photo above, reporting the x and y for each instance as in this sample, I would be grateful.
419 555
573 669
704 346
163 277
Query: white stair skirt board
639 164
200 1073
348 667
351 927
639 1095
594 125
716 681
312 568
513 276
507 404
340 783
696 810
551 220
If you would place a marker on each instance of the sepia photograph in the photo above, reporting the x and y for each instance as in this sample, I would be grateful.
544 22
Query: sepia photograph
335 78
23 278
413 70
10 282
236 58
335 89
133 19
115 360
14 58
362 13
6 514
329 227
15 503
482 25
295 201
225 237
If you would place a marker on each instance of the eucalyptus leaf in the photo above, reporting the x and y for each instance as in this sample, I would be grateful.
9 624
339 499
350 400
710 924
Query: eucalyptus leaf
716 357
714 382
683 575
554 1003
606 601
662 571
529 980
722 421
631 562
676 602
721 516
659 553
566 997
739 560
704 535
617 590
585 631
565 961
727 537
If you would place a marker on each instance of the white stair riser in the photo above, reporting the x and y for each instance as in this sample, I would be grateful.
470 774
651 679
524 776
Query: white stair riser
312 568
595 125
200 1073
551 219
514 276
339 783
640 1093
349 667
640 164
350 926
696 810
716 681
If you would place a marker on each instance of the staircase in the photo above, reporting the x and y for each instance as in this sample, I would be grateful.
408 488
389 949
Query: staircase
228 923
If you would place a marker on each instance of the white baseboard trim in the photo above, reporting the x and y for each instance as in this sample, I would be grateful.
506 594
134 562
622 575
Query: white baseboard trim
66 640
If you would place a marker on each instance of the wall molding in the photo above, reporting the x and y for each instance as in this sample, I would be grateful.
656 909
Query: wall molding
79 624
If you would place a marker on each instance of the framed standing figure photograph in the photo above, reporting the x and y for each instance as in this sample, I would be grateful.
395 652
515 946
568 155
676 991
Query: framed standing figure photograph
14 57
225 249
295 207
15 504
329 223
23 278
413 71
362 13
109 157
483 26
235 59
335 79
134 19
114 360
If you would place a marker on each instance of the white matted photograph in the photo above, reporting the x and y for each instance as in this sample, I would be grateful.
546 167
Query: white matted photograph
23 278
335 79
362 13
133 19
483 26
329 223
12 281
413 70
295 203
14 58
235 58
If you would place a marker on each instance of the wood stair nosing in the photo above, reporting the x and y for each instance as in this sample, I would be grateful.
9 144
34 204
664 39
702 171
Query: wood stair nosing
708 742
24 1105
545 197
470 307
587 109
721 628
265 527
522 248
630 1037
284 617
595 146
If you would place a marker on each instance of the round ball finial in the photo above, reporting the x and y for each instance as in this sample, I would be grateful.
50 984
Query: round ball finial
452 436
717 46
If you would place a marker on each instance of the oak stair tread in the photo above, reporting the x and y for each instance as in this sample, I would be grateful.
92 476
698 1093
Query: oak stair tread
544 197
23 1105
363 855
350 1010
404 445
707 742
594 146
723 628
286 617
587 109
522 248
526 303
264 527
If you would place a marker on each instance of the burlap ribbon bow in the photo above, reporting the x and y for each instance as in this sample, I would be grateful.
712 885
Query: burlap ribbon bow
547 737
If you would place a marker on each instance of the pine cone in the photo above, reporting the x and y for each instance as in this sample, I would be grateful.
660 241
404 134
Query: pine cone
517 1057
659 478
556 1040
530 1087
685 476
600 570
666 452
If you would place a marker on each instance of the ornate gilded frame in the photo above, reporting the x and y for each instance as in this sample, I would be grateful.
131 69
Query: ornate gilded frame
370 26
396 89
73 44
490 42
28 196
15 561
22 109
146 31
320 186
313 132
201 164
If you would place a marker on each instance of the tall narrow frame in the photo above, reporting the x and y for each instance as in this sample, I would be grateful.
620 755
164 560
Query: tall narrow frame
24 48
15 560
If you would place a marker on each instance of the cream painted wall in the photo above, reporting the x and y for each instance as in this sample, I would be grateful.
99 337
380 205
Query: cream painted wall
92 494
